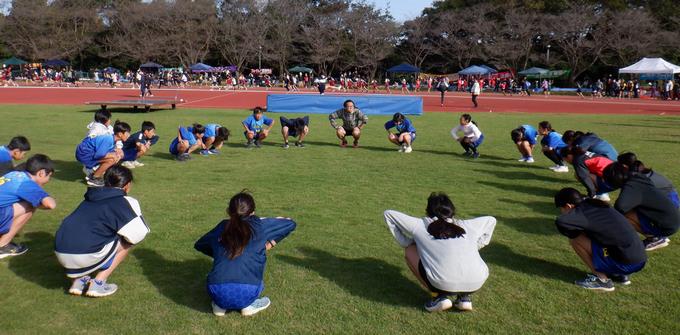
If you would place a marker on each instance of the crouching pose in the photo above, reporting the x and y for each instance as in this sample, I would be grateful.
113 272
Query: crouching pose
138 145
99 234
238 247
525 138
442 251
298 127
472 137
601 237
214 137
406 132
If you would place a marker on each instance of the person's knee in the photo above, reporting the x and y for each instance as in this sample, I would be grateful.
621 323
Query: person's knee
356 132
392 137
284 131
340 132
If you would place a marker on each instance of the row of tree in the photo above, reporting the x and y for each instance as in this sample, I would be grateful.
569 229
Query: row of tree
342 35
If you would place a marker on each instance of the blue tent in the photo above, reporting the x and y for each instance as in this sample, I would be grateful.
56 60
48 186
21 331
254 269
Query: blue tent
534 71
200 67
151 65
491 70
474 70
404 68
56 63
110 70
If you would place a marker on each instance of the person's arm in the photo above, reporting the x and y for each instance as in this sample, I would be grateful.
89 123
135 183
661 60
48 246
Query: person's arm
333 117
454 132
135 229
482 228
401 226
475 130
583 175
628 200
276 229
48 203
389 125
204 243
363 118
245 126
269 123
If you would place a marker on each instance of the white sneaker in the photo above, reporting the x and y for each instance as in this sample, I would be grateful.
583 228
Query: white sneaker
137 163
463 303
128 164
523 159
561 169
529 160
603 197
217 310
257 306
401 148
438 304
408 149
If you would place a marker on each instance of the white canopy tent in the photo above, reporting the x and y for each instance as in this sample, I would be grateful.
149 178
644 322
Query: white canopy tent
651 66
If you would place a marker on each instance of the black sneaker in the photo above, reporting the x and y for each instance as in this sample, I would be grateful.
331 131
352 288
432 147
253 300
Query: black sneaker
96 182
299 144
258 144
475 155
593 282
12 249
249 145
467 153
656 242
620 279
286 146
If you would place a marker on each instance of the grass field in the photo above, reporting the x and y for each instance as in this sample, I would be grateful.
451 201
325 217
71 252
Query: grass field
340 272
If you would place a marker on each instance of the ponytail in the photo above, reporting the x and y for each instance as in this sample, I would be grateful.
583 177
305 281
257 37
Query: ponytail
441 208
238 232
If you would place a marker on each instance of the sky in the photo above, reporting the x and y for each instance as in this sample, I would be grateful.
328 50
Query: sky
403 10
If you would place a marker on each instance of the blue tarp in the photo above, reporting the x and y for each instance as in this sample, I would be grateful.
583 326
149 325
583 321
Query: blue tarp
473 70
326 104
491 70
200 67
404 68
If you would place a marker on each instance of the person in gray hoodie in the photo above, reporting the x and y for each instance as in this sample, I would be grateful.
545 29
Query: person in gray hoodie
443 251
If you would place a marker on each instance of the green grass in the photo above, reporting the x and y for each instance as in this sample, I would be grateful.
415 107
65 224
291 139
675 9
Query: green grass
340 272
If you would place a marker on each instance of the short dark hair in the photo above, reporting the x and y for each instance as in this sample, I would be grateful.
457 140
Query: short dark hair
198 128
398 117
102 116
121 127
571 196
258 110
19 142
117 176
38 162
616 174
517 134
545 125
344 104
148 125
222 134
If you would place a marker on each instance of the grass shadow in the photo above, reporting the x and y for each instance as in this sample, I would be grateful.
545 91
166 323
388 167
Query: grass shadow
68 170
530 225
664 141
519 188
543 207
327 144
363 277
501 255
183 282
382 149
503 163
39 265
162 155
523 175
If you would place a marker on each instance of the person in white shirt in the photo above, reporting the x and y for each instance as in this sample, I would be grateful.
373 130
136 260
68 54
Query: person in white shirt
475 90
472 136
442 251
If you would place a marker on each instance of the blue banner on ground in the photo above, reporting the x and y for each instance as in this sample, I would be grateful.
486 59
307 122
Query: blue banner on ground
326 104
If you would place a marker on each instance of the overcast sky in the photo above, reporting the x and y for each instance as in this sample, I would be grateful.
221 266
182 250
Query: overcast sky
403 10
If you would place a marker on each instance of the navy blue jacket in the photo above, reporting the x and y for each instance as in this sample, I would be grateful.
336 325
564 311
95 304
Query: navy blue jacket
248 268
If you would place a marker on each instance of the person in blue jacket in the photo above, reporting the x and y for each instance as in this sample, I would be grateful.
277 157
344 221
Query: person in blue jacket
100 152
524 137
590 142
552 144
406 132
213 138
188 140
238 247
15 150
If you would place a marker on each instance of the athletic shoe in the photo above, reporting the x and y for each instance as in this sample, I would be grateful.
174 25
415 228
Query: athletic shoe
356 144
408 149
78 286
181 158
475 155
593 282
554 167
463 302
438 304
96 182
205 153
12 249
217 310
137 163
343 144
98 289
468 153
523 159
299 144
249 145
529 160
656 242
286 146
128 164
620 279
561 169
257 306
258 144
603 197
401 148
214 151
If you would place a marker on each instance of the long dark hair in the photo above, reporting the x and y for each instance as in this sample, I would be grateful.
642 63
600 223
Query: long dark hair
630 160
440 207
237 232
572 196
616 174
468 118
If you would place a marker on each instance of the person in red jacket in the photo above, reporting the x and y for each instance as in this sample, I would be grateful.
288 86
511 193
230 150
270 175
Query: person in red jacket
589 168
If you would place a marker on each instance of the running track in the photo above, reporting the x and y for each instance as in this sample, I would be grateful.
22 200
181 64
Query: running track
455 102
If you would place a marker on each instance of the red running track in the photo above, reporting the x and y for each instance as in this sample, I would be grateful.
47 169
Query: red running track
454 102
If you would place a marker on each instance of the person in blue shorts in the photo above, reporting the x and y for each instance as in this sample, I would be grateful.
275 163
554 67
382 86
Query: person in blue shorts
213 138
138 144
254 125
406 132
472 137
298 127
525 138
98 153
552 144
15 150
648 209
188 140
21 193
99 233
601 237
238 246
590 142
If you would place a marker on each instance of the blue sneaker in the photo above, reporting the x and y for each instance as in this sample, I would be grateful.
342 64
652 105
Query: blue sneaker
257 306
214 151
205 152
620 279
100 289
593 282
438 304
475 155
78 286
656 242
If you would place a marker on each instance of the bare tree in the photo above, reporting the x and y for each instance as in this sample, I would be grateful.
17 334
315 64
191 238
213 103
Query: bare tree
458 36
285 18
191 30
241 31
627 42
373 34
325 34
513 37
416 40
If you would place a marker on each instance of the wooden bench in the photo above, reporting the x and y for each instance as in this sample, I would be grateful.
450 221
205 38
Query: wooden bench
136 103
